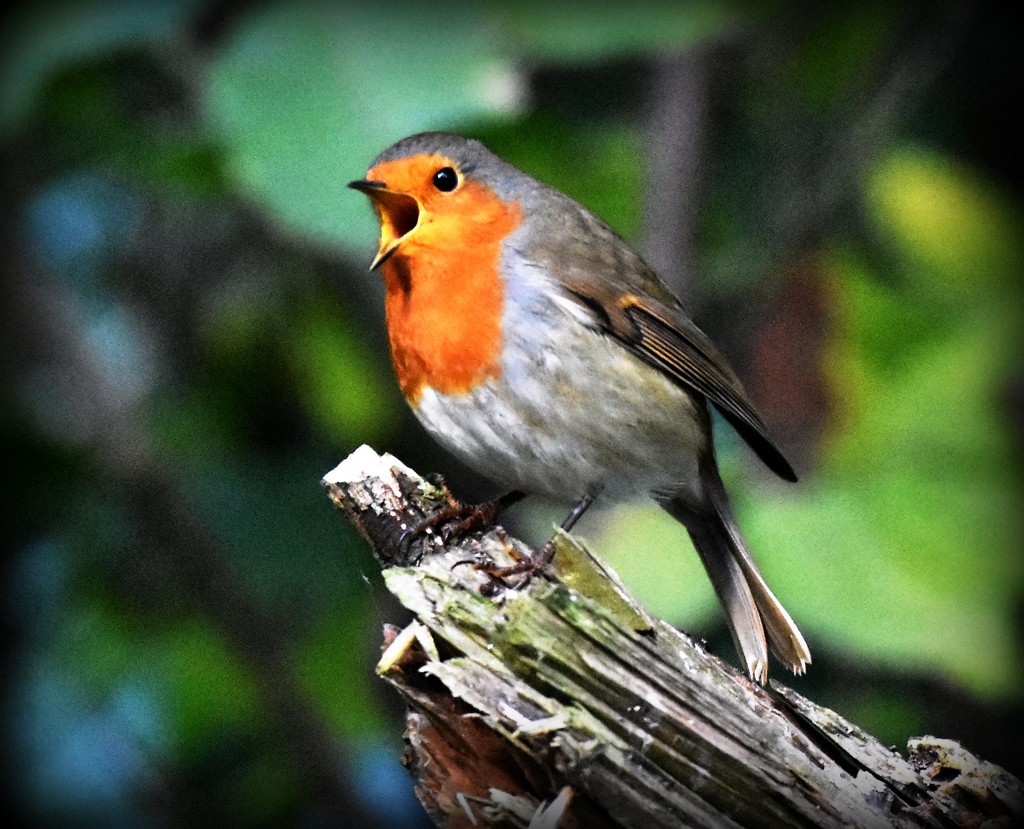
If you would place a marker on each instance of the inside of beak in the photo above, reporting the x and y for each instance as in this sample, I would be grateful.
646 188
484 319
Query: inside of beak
399 214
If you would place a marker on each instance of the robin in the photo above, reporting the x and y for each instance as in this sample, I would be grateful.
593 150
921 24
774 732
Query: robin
538 347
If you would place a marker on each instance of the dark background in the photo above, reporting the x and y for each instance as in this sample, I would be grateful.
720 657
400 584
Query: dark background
191 341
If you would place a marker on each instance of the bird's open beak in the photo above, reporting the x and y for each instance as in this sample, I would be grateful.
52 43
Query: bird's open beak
399 214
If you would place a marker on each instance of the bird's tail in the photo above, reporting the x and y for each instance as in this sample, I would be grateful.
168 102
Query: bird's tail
750 606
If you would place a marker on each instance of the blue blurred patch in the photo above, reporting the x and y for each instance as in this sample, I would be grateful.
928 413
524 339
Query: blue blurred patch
386 788
79 760
80 223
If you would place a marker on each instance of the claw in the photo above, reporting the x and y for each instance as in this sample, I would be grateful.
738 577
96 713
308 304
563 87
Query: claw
526 566
405 541
480 516
467 517
529 566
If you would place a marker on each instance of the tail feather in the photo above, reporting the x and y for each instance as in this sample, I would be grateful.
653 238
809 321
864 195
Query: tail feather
752 610
731 585
787 642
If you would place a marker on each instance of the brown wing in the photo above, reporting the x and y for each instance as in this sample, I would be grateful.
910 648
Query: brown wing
591 261
666 339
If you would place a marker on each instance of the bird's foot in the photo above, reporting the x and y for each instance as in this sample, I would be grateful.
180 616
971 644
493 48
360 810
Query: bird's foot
525 567
456 519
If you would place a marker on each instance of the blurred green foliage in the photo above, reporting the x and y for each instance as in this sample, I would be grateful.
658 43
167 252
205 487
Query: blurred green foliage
917 481
176 176
573 31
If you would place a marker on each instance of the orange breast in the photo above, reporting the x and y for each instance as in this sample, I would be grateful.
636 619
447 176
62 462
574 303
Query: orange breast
444 295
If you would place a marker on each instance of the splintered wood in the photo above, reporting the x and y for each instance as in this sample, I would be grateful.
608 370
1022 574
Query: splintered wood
564 704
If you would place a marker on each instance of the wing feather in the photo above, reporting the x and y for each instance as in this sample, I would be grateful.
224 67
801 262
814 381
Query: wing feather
590 262
666 339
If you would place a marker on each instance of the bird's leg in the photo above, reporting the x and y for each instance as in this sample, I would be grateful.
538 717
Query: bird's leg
467 516
528 567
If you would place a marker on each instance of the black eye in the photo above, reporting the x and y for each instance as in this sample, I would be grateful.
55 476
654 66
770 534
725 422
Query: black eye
446 179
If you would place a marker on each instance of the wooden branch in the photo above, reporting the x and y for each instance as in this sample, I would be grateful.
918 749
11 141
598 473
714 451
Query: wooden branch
565 704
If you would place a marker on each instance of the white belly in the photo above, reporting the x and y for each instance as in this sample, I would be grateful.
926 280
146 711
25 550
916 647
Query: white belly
572 414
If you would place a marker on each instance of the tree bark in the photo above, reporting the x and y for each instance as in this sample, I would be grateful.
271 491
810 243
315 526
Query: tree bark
565 704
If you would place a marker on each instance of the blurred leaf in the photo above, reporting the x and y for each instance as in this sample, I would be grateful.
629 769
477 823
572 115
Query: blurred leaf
575 31
839 54
47 37
199 682
336 674
957 232
204 423
341 384
305 95
207 688
131 115
265 791
938 391
100 646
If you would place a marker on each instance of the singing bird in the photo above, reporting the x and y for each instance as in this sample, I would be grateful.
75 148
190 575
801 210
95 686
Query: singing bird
536 345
